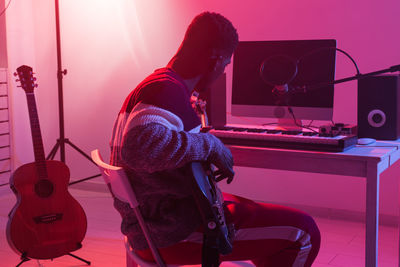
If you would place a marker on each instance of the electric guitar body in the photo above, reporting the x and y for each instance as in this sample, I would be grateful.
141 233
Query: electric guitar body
211 205
46 222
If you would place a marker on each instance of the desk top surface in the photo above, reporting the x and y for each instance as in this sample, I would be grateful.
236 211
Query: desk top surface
383 153
377 149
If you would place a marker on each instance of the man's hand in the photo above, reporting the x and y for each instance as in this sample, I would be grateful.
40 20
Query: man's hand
223 160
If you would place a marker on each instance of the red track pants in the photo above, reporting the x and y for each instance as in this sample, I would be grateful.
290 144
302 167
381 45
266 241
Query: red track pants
266 234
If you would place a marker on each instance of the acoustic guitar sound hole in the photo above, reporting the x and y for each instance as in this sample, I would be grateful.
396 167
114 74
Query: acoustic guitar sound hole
44 188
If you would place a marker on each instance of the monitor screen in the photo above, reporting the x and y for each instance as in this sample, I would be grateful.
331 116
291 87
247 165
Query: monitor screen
253 95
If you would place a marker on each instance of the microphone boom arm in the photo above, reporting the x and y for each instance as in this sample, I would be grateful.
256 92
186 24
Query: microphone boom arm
355 77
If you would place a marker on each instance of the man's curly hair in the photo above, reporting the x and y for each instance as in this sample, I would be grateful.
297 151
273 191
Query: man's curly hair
208 31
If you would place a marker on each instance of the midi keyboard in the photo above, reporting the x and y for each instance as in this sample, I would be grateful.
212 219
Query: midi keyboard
260 137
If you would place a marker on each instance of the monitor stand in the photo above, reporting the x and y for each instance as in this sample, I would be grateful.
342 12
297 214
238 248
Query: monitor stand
288 124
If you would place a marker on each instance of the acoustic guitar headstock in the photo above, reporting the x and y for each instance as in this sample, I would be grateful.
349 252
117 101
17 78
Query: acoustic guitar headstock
26 79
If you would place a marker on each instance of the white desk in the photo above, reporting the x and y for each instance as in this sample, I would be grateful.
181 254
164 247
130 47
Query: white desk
361 161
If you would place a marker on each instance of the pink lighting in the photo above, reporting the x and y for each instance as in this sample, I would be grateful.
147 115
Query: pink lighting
108 47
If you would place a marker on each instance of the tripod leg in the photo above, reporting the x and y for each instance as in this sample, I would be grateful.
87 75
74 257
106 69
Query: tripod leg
23 259
84 179
53 150
79 150
79 258
86 156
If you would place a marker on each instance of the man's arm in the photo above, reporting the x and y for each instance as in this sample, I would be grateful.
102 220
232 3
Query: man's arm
153 147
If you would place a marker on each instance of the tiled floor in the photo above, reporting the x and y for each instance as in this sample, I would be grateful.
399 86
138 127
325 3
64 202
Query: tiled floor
342 241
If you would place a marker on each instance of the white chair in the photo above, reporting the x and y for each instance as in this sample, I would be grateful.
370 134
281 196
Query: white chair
119 186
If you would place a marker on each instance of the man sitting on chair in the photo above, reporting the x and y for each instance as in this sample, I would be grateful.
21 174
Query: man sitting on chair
156 136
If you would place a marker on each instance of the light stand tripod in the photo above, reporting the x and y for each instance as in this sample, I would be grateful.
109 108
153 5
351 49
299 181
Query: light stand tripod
60 144
62 140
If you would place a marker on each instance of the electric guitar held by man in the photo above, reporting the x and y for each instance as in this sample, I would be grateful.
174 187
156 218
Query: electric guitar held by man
46 222
218 234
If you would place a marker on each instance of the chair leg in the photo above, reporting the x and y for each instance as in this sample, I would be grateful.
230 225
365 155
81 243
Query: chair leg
129 261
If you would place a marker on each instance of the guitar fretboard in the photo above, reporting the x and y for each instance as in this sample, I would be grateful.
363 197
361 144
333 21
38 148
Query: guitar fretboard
36 136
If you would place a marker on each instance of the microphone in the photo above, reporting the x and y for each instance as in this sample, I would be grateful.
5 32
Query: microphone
281 88
278 71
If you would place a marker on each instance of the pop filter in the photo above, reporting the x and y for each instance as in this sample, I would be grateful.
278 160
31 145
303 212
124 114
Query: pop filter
278 71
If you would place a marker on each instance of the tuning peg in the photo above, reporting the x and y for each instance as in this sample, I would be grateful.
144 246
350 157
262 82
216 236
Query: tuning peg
35 85
15 74
17 80
34 78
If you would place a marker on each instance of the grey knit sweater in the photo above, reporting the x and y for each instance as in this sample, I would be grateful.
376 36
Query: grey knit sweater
151 144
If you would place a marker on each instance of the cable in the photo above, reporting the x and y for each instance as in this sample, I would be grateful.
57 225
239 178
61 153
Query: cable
354 62
388 146
297 124
330 48
308 54
269 123
4 10
309 125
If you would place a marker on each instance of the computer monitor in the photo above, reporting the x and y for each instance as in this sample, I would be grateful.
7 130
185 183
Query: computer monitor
252 96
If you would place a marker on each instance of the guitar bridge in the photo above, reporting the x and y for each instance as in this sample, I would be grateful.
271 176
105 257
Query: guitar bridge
49 218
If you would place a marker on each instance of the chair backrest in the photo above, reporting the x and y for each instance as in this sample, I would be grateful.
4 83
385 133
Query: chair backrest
116 180
118 183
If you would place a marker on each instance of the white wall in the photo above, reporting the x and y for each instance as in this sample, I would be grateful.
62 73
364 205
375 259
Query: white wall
109 46
3 46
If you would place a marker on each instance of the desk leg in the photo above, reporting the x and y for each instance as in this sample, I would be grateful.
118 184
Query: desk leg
398 222
372 216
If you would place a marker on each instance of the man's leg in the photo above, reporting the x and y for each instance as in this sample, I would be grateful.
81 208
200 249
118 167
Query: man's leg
268 235
272 235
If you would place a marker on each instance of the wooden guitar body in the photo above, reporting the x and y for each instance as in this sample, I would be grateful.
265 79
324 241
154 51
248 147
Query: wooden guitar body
46 222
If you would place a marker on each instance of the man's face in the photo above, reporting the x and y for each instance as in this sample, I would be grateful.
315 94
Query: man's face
218 67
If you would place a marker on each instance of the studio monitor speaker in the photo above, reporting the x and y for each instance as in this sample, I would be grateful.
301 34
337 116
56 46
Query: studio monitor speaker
215 97
378 107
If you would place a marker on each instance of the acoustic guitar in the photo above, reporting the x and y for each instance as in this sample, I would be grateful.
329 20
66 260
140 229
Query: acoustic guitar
209 197
46 222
